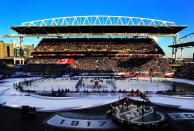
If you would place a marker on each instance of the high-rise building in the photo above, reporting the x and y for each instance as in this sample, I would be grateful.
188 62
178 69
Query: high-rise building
9 50
24 51
2 50
6 50
15 52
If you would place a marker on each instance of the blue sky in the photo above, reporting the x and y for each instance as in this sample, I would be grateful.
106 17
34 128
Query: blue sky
14 12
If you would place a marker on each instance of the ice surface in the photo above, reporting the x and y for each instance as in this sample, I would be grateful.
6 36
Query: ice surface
13 98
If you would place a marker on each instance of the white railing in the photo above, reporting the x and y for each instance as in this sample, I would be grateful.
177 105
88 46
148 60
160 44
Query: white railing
98 20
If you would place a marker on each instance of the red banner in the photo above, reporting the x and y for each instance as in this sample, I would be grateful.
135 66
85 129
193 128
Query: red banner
65 61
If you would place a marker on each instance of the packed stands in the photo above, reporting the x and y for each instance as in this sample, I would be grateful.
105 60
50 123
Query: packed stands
140 45
5 70
186 71
139 56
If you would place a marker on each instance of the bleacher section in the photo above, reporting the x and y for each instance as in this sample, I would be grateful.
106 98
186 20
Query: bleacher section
131 45
138 56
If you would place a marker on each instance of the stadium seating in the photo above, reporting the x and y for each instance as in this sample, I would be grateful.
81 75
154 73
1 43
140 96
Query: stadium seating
141 45
186 71
142 62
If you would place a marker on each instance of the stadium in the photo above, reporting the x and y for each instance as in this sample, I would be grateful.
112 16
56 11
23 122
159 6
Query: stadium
89 69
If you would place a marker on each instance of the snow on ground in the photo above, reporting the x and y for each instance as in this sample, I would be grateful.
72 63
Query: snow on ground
171 101
181 103
55 104
13 98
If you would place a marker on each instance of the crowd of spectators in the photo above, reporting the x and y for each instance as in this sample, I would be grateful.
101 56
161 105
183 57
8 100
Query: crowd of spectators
5 70
143 45
186 71
40 60
157 66
52 65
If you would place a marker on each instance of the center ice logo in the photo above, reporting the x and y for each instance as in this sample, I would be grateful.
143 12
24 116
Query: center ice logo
134 113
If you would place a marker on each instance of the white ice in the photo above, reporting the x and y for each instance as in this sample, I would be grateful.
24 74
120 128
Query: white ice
13 98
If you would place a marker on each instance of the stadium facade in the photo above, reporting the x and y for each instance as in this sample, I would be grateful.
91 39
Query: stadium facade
98 44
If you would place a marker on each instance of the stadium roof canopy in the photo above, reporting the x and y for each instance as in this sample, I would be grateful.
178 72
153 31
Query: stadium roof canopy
183 45
98 25
185 42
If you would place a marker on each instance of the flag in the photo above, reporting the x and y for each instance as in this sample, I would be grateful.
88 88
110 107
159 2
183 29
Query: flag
65 61
169 74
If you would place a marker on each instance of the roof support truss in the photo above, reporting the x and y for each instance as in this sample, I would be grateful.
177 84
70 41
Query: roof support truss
98 20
